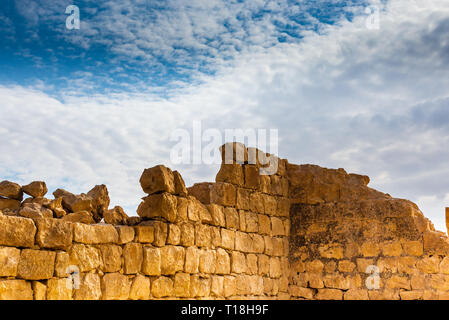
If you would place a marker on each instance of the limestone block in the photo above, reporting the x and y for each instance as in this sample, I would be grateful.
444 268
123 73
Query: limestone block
99 196
232 218
363 264
80 216
398 282
243 242
439 282
283 207
227 239
74 203
157 179
162 205
151 265
180 186
89 287
181 285
418 282
243 199
203 236
234 152
59 289
331 251
315 266
329 294
174 234
126 234
223 262
17 231
356 294
112 257
393 249
162 287
192 260
263 264
62 262
86 258
413 248
346 266
56 206
172 259
275 267
215 237
187 235
230 173
36 264
264 223
35 211
269 205
428 264
336 281
115 216
257 243
35 189
252 222
133 258
39 290
370 249
54 233
9 204
229 286
15 290
411 295
140 288
9 260
223 194
144 234
217 214
94 234
160 232
386 294
268 244
252 177
11 190
217 285
238 262
407 265
251 260
115 286
257 202
207 261
201 191
301 292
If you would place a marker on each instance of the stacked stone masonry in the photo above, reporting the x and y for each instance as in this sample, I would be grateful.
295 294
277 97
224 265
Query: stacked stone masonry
302 232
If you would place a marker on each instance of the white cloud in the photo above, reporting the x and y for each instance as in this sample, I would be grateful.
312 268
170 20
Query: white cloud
375 102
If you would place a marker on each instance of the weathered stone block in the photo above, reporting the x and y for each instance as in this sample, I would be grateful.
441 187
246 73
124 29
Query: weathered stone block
162 287
151 265
172 259
180 186
223 194
217 214
230 173
207 261
36 264
331 251
301 292
126 234
227 239
370 249
217 283
84 217
133 257
15 290
243 242
238 262
62 262
393 249
356 294
39 290
59 289
140 288
17 231
157 179
187 235
174 234
192 260
112 257
264 224
54 233
144 234
10 204
428 264
252 177
223 262
115 286
35 189
163 205
346 266
86 258
9 260
229 286
94 234
232 218
413 248
275 267
329 294
182 285
89 287
398 282
203 236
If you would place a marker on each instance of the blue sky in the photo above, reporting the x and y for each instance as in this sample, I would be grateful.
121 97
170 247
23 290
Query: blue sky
98 104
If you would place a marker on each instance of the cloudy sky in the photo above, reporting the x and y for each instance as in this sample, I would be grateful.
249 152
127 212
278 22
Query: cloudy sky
360 85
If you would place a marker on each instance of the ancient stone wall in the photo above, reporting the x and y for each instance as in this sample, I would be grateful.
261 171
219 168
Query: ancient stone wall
301 232
227 239
352 242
